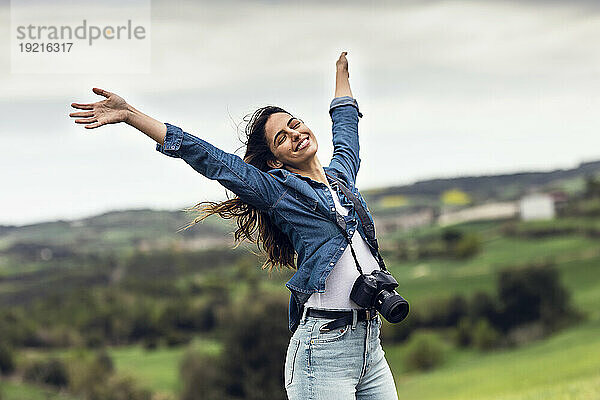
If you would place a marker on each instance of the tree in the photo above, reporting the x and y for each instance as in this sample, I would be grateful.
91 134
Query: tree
7 360
255 338
255 344
530 294
483 305
592 187
203 377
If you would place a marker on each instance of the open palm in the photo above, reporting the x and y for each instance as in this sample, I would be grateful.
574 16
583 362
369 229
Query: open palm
109 111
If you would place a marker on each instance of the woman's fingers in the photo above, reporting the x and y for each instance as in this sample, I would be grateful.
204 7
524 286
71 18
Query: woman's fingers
96 122
82 114
94 125
101 92
86 120
342 59
80 106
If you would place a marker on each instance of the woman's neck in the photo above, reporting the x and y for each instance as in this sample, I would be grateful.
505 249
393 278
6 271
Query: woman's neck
313 170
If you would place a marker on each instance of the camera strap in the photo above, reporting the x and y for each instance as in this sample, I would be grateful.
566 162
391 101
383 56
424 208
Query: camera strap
365 221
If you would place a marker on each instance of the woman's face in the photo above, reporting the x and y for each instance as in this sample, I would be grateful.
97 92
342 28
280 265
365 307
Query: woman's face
290 140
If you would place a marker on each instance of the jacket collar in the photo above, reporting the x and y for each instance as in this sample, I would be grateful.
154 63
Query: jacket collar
284 174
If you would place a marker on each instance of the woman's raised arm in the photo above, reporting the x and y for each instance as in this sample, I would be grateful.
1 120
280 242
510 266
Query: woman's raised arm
252 185
342 84
344 116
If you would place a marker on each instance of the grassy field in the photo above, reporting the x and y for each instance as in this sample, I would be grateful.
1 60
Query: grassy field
563 366
17 391
157 370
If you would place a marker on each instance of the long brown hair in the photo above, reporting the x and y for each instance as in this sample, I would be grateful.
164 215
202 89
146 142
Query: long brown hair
253 225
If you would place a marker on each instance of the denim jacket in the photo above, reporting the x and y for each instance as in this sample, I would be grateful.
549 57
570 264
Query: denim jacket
302 208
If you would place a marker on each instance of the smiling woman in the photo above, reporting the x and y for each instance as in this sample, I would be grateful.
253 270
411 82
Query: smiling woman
303 216
294 146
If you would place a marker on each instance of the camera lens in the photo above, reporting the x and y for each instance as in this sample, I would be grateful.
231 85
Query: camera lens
392 306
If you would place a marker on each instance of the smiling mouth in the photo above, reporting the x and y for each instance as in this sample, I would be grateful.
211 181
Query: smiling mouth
303 143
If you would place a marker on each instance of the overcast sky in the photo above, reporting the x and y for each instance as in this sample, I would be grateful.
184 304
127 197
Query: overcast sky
447 89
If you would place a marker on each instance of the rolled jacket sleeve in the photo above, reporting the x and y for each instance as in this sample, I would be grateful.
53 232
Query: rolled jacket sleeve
172 142
344 101
252 185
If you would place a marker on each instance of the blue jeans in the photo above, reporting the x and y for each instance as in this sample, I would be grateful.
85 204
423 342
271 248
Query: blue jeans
345 363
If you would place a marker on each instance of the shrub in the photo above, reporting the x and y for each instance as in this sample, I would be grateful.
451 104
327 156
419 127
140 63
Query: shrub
592 186
430 248
451 236
95 340
87 374
484 336
442 312
425 351
51 372
122 388
94 379
7 359
467 246
202 377
105 362
59 336
116 387
396 333
483 305
150 343
530 294
463 332
175 338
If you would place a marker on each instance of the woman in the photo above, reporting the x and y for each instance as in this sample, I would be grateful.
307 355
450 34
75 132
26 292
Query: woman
293 208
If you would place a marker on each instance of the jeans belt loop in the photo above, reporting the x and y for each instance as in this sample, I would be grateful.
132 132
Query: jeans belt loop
304 315
354 318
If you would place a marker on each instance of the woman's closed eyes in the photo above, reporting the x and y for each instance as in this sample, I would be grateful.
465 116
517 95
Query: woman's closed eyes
293 123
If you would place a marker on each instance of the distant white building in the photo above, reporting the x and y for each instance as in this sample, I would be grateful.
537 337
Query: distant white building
490 211
537 206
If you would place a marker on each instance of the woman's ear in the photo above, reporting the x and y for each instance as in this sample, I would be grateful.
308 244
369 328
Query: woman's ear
274 163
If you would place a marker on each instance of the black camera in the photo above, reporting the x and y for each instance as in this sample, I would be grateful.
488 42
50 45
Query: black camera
377 290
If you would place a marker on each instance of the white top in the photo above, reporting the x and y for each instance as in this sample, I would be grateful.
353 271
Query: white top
343 275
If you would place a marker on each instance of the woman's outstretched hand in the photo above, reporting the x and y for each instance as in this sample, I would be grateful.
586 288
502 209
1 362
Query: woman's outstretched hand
342 63
110 111
342 85
114 109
